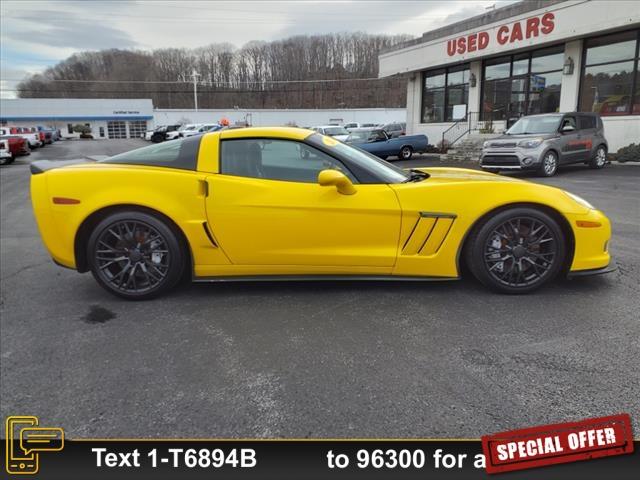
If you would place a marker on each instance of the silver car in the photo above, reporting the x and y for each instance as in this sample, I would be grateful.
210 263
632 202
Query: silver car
543 142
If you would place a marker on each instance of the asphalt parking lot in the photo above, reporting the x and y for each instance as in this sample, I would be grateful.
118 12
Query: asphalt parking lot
324 359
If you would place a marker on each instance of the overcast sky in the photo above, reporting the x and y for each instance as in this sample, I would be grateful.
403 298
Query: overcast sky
36 34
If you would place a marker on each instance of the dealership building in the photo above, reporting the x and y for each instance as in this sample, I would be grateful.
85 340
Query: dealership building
107 118
531 57
130 118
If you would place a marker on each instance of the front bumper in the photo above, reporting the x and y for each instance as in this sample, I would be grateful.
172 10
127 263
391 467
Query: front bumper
592 233
511 158
612 267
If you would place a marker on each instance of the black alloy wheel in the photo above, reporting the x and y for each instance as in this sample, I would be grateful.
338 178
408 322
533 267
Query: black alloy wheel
517 250
135 255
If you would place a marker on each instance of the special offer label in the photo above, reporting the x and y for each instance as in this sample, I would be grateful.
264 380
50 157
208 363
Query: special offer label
559 443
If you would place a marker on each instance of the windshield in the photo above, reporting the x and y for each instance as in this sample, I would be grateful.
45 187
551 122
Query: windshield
546 124
189 127
335 131
359 136
379 168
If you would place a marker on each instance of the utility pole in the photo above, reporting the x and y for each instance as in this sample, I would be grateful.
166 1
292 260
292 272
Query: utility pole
194 76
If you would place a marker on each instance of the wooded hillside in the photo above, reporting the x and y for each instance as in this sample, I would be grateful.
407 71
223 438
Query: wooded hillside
320 71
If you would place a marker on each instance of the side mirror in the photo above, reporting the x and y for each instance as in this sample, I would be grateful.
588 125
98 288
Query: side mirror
338 179
567 129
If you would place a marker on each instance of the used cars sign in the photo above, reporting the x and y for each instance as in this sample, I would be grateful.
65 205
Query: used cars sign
529 28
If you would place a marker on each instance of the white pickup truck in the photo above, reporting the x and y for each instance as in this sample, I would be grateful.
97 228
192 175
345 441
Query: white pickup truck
33 139
6 156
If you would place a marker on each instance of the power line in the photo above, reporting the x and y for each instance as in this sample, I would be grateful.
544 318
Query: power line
205 83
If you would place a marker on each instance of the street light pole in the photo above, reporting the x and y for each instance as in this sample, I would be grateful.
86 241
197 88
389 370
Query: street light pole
194 76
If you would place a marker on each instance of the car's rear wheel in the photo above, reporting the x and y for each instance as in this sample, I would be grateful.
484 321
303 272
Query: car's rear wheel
135 255
549 165
405 153
517 250
599 160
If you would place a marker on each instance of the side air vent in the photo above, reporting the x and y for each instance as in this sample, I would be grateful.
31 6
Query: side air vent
428 234
209 235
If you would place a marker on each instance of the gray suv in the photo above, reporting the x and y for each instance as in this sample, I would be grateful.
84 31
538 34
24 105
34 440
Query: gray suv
543 142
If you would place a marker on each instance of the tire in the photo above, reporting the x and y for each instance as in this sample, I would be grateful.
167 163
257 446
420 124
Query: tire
406 153
549 165
599 159
140 239
503 262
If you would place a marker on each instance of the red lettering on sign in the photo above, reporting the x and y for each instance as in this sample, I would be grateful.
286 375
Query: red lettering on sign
471 43
483 40
451 47
532 27
516 33
462 45
503 35
547 23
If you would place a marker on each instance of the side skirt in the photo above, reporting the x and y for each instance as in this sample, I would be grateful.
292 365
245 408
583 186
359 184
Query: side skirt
292 278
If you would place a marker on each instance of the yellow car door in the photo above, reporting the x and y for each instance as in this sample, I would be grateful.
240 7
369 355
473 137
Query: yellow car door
266 207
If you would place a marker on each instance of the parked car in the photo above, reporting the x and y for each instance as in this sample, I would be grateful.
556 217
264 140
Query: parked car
543 142
354 125
6 157
395 129
148 133
32 139
378 142
203 128
172 135
335 131
287 201
160 133
18 146
55 133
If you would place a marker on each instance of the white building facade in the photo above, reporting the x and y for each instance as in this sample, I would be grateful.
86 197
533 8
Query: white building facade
536 56
130 118
107 118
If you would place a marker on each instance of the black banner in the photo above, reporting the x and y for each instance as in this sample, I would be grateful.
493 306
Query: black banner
295 460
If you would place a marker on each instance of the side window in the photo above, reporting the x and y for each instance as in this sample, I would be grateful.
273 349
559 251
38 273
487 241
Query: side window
378 135
182 154
587 122
283 160
569 121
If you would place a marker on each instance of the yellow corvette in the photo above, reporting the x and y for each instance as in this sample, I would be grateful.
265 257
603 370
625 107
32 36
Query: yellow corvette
274 203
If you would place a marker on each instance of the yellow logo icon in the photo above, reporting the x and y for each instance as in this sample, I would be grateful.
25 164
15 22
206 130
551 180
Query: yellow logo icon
25 441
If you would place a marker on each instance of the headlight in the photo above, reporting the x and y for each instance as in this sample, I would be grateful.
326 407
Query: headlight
485 145
580 200
530 143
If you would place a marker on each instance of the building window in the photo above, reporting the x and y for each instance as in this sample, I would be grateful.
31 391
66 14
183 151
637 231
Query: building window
137 128
445 94
610 82
522 84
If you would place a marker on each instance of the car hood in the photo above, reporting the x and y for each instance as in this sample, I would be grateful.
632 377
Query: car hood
458 175
517 138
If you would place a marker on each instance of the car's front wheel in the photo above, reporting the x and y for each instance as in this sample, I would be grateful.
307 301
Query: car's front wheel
517 250
135 255
549 165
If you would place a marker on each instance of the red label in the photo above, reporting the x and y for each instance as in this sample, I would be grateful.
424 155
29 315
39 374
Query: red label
515 32
559 443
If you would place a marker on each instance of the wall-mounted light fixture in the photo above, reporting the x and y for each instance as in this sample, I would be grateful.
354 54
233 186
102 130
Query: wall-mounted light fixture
567 68
472 80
